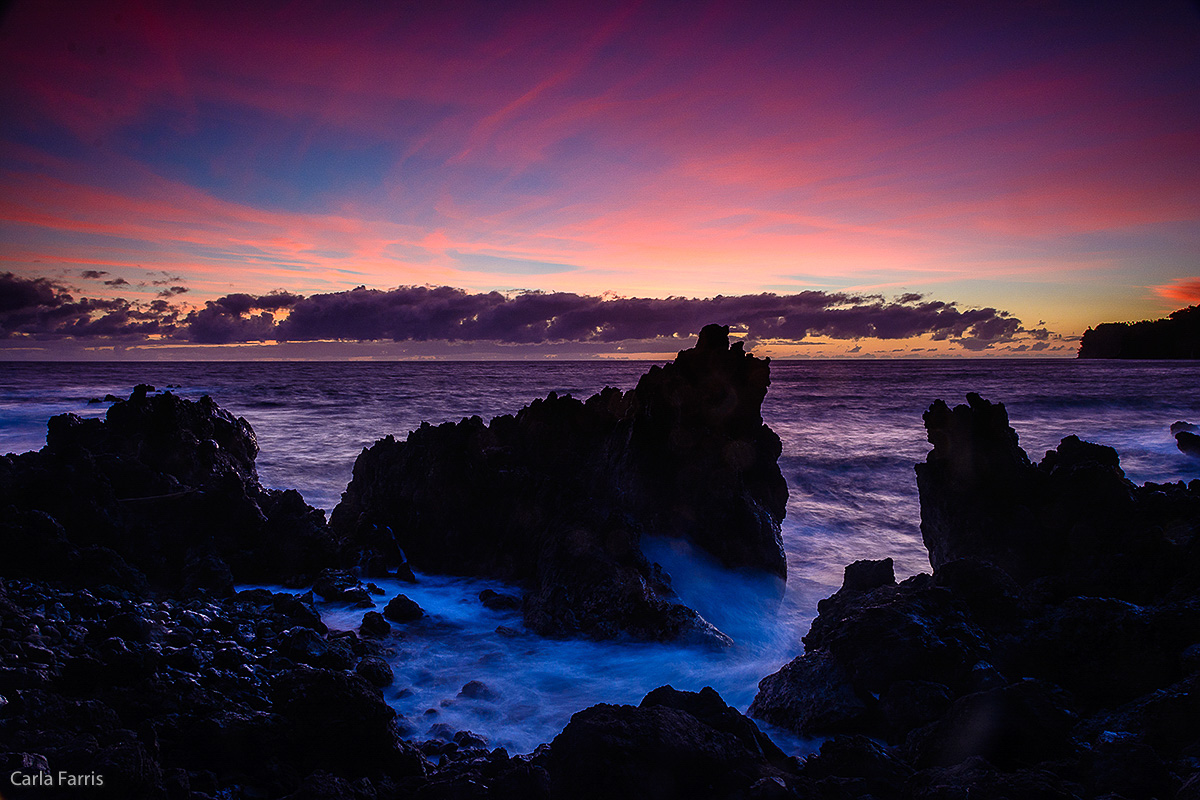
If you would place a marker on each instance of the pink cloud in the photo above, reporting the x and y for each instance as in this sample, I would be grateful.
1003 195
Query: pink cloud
1183 290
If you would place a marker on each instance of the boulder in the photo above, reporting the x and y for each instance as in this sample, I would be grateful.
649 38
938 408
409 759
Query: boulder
374 624
337 720
497 601
402 609
557 497
376 671
862 656
673 745
341 586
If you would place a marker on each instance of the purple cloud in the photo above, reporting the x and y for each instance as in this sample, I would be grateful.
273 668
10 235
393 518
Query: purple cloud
443 313
42 308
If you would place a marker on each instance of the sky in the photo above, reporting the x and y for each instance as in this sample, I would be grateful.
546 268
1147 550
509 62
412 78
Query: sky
457 179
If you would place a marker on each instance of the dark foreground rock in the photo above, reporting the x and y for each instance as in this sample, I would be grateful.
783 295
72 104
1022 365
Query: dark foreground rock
230 697
239 699
557 497
673 745
1052 652
1073 521
161 493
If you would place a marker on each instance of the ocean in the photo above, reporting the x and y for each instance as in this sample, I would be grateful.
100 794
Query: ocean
851 433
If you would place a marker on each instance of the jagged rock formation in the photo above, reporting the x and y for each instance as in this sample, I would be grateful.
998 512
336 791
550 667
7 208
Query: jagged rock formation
1177 336
1074 519
1052 652
558 496
161 490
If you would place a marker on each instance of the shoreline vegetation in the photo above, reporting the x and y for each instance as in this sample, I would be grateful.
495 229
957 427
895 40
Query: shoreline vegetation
1053 651
1176 336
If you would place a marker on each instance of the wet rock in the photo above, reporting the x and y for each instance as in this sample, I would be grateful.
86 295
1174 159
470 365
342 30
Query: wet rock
442 731
130 627
207 574
402 609
1122 766
557 497
860 645
376 671
303 645
910 704
497 601
298 611
340 586
322 785
674 745
975 488
374 624
468 739
1190 789
226 709
811 693
478 690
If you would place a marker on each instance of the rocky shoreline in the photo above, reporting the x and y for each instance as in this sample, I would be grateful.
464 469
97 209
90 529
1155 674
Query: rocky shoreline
1053 652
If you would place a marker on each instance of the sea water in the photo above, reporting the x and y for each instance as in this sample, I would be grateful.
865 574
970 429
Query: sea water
851 433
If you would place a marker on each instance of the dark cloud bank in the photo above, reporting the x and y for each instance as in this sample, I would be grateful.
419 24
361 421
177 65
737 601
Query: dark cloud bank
45 309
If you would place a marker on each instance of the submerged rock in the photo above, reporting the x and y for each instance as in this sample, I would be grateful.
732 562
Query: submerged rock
497 601
557 497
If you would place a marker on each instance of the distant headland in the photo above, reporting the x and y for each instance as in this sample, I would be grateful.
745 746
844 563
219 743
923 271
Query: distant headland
1176 336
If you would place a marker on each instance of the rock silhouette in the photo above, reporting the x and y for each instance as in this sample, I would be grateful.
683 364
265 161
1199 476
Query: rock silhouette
1050 653
557 497
162 490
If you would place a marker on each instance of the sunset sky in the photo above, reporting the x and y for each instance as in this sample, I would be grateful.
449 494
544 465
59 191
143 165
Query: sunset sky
509 179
